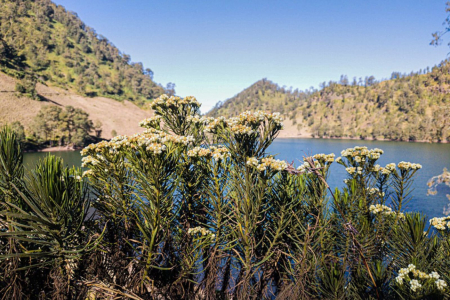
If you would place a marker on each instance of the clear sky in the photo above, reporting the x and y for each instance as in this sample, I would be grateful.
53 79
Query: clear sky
214 49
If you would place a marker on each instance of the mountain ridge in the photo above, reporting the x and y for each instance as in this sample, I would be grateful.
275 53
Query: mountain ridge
412 107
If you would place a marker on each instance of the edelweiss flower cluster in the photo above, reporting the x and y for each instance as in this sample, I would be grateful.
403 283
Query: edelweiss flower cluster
362 153
114 144
267 162
153 122
212 126
201 230
441 223
407 166
353 170
242 129
386 170
217 153
303 167
404 275
156 148
88 173
199 120
88 160
384 210
246 123
373 191
153 140
165 101
324 157
199 152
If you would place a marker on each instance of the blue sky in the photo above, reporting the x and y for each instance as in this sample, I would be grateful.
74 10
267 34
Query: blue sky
214 49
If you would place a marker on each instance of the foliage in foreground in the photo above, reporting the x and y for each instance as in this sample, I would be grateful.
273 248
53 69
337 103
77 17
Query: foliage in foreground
195 208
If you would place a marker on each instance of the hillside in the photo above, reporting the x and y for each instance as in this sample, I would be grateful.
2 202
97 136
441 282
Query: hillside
123 117
41 41
413 107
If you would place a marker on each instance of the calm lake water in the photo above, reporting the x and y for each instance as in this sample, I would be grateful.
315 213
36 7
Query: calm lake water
433 158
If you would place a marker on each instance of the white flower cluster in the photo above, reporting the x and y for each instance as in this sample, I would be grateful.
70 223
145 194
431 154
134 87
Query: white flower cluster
246 123
153 122
156 148
415 285
88 173
441 284
114 144
362 153
303 167
390 167
441 223
219 153
196 119
201 230
267 163
404 275
242 129
353 170
373 191
88 160
165 101
384 210
407 166
252 161
214 124
199 152
384 170
324 157
153 140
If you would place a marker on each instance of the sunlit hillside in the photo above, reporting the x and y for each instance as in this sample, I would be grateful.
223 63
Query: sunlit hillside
41 41
413 107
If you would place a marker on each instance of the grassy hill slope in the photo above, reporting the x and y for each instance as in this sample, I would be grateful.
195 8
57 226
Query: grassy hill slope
42 41
413 107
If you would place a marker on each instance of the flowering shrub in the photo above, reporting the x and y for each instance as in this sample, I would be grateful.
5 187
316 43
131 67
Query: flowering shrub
417 284
195 208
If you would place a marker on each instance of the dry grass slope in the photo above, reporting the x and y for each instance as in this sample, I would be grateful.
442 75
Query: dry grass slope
123 117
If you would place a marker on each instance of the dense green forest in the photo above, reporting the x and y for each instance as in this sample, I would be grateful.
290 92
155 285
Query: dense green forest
407 107
43 42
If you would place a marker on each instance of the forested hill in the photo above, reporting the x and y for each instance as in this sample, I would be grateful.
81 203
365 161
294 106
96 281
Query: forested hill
41 41
413 107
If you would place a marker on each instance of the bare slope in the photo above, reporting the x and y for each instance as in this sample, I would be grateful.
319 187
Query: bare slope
123 117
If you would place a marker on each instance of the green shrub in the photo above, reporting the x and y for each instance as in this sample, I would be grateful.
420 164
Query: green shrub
27 86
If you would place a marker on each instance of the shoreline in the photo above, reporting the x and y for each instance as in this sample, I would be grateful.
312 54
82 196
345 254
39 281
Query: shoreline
358 139
54 149
68 149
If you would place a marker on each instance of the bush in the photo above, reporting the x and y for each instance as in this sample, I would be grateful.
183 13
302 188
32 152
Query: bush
195 208
27 87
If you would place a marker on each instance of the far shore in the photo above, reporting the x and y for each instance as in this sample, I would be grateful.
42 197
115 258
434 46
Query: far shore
53 149
59 148
65 148
356 138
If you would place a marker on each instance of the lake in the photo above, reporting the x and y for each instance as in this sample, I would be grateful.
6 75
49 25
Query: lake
432 157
